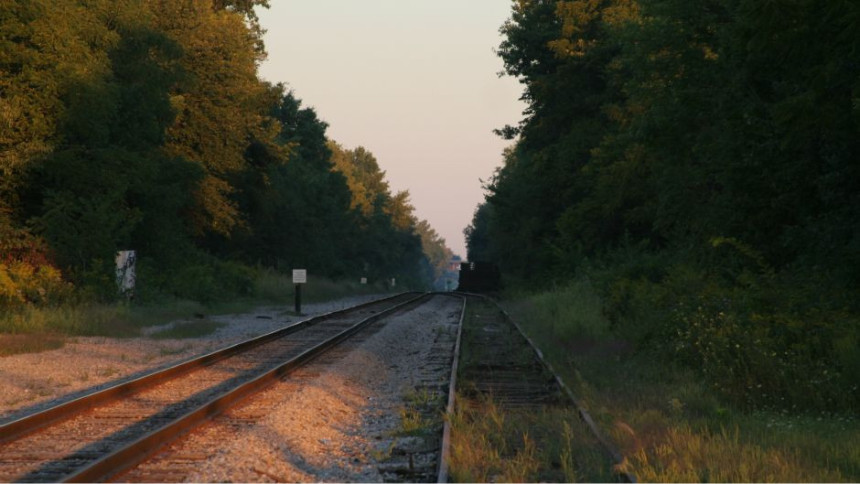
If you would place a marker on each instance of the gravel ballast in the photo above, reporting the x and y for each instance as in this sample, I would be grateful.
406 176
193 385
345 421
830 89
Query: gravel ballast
336 420
339 419
35 381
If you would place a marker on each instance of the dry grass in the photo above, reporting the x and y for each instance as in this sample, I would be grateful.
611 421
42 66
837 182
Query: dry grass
13 344
490 444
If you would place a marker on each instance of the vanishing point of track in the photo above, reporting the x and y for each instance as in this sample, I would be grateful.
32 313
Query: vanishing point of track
104 433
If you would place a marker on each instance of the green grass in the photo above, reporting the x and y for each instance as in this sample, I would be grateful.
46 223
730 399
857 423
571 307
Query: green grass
279 288
117 320
421 414
666 421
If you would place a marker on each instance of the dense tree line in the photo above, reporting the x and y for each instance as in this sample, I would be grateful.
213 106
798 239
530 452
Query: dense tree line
705 151
128 124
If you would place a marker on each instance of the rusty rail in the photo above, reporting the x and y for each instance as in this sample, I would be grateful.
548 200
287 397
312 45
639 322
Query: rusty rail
139 450
607 445
125 455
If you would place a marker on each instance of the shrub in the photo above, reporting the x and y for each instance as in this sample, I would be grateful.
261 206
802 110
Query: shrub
758 337
22 283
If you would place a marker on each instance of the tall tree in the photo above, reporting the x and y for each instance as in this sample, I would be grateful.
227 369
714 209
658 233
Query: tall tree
220 103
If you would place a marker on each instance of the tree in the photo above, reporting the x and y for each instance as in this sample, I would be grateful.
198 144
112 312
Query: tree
437 252
293 196
220 104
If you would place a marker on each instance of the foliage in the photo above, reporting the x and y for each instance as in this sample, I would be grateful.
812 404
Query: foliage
438 254
23 283
144 125
691 160
672 124
389 234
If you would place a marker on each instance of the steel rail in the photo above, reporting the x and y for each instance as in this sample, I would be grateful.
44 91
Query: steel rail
445 453
15 429
608 447
139 450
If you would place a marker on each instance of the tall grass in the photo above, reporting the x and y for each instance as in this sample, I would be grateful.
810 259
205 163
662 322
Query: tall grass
666 419
491 444
573 312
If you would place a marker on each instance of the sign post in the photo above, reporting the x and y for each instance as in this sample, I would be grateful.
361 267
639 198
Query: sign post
300 276
125 273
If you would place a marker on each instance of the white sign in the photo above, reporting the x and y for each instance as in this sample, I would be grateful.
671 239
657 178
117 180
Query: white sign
125 273
300 276
364 280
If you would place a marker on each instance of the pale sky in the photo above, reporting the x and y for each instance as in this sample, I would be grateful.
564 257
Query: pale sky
413 81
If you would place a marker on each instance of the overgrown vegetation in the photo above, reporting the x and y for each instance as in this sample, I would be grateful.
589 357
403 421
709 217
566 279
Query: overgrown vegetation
494 443
489 444
670 423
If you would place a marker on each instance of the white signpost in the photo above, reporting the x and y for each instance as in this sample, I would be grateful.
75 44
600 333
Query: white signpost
125 272
300 276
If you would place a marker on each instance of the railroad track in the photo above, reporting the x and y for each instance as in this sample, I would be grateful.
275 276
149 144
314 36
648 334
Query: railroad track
504 365
413 355
507 368
105 433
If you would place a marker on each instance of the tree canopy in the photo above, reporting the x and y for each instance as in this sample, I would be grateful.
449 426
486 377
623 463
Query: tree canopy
144 125
675 123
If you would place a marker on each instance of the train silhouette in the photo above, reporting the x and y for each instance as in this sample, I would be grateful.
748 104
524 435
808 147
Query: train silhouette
479 277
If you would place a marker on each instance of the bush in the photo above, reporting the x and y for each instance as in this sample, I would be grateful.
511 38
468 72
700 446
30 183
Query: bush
22 283
767 359
758 337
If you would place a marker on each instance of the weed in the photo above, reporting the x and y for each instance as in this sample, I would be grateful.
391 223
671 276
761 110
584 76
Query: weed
490 443
422 398
411 422
380 454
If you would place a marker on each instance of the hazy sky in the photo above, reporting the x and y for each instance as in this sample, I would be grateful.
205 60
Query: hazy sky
413 81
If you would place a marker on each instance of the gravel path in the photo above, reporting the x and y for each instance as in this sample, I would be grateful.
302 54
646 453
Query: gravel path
35 381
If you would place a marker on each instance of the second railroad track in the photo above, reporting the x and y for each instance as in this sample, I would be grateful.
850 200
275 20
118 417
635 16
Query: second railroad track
102 434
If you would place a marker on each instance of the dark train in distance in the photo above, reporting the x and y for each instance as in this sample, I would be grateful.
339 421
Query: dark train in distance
479 277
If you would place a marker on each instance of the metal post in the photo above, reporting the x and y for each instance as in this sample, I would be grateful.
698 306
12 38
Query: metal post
298 299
